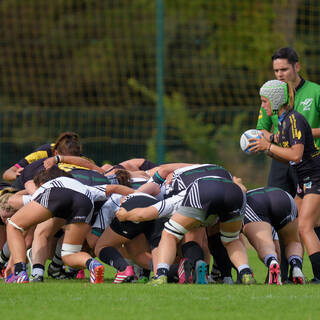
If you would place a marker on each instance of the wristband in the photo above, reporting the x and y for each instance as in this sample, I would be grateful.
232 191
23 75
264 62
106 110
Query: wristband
58 159
158 179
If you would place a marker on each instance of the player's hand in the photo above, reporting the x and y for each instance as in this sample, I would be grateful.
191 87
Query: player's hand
260 144
49 162
18 172
122 214
238 181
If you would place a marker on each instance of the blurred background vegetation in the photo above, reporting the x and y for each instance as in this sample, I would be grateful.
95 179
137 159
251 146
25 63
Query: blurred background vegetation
90 66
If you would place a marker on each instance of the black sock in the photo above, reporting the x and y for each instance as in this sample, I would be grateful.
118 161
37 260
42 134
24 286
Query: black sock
18 267
220 255
192 251
146 273
173 273
162 272
283 263
112 257
88 263
315 262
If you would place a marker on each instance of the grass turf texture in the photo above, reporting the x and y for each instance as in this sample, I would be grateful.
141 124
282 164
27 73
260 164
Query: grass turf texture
77 299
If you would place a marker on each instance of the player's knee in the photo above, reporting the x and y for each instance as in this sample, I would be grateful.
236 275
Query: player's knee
227 237
175 229
68 249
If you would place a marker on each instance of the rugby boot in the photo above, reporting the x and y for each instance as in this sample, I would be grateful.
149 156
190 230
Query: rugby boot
10 278
81 274
22 277
36 279
158 280
185 271
57 273
274 276
96 272
127 275
297 276
200 272
246 277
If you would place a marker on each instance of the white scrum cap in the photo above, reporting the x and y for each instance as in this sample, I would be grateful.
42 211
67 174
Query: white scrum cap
276 92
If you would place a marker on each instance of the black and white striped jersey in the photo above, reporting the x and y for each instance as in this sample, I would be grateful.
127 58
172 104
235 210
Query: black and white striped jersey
183 177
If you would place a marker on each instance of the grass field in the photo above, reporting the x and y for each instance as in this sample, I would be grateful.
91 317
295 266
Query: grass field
77 299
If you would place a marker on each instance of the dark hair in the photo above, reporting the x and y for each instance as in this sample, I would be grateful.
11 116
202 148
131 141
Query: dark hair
68 143
123 177
46 175
286 53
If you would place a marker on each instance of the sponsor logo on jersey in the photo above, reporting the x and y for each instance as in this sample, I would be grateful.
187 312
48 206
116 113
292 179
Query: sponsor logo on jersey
306 104
79 218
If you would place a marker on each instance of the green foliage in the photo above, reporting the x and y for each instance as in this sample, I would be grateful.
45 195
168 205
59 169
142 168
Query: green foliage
190 131
195 139
81 52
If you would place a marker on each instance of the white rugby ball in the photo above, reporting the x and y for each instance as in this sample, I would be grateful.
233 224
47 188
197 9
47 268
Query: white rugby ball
249 134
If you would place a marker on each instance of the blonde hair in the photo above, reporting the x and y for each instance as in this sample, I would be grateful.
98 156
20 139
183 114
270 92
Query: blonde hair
291 94
5 194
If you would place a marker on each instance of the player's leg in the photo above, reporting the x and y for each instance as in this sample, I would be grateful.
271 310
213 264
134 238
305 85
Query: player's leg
294 252
173 232
308 217
260 236
236 249
75 234
44 232
107 250
23 219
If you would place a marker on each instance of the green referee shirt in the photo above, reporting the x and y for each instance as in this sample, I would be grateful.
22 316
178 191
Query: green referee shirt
306 102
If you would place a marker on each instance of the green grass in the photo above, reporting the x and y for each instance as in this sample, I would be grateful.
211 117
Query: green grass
77 299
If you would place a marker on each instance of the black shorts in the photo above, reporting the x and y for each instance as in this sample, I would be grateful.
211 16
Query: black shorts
155 234
129 230
67 204
213 196
311 185
271 205
283 175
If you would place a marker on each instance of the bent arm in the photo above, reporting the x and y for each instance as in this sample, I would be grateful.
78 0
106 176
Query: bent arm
165 169
12 173
118 188
137 214
79 161
293 153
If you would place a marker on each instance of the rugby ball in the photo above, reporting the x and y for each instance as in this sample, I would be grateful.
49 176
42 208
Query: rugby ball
249 134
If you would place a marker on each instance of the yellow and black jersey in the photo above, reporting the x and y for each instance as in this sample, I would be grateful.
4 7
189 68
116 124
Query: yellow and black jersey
84 175
294 129
41 152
